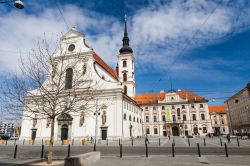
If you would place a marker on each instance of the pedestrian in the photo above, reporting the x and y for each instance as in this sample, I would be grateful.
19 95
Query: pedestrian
169 137
91 138
228 138
146 140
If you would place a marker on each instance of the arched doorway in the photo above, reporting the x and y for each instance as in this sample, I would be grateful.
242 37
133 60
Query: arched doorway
64 132
195 130
64 127
175 131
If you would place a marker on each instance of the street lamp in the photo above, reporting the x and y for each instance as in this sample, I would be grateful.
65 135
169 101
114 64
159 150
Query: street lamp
17 3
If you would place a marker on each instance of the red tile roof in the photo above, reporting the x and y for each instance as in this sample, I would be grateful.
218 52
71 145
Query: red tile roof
149 98
217 109
143 99
106 67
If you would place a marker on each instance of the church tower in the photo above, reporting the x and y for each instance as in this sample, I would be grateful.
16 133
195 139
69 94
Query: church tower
126 62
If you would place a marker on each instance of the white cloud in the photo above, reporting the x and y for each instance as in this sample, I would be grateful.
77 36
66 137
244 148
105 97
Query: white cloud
158 34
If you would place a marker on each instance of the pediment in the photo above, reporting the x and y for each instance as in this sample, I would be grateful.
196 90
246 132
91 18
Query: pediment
72 34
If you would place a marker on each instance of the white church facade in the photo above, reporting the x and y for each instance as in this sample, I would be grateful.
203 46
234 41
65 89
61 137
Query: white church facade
114 114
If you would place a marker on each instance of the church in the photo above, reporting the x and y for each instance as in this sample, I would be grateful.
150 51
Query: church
115 113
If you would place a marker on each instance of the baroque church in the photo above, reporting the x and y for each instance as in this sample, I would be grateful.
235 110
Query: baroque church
116 114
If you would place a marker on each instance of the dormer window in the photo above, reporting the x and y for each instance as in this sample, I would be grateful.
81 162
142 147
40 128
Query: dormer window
71 47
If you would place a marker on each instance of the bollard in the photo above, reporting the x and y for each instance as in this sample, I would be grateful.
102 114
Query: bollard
42 141
94 147
146 150
238 143
23 141
226 150
107 142
204 141
199 152
15 151
15 142
121 151
132 142
159 142
220 142
119 141
173 150
188 142
69 150
42 152
72 142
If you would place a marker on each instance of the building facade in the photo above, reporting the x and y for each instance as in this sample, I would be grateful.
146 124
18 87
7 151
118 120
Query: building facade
180 113
7 129
238 111
219 120
115 113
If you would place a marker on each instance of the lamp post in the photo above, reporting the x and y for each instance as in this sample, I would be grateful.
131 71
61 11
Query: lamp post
158 98
17 3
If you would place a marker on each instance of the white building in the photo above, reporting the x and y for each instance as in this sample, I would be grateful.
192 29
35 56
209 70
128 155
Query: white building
118 114
178 113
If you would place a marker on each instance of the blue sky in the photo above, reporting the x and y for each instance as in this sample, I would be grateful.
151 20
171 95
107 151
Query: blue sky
201 45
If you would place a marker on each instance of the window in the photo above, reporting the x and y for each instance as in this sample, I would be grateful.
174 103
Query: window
194 116
222 122
125 117
155 118
69 78
163 118
155 131
129 117
215 122
178 112
125 89
174 119
147 118
183 106
192 105
154 108
184 117
124 63
134 119
172 106
202 117
204 129
201 105
124 77
137 120
147 131
162 108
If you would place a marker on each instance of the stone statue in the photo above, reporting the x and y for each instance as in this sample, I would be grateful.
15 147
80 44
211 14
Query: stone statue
82 119
104 117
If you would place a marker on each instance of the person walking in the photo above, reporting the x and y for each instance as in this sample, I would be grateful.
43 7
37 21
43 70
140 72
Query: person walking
146 140
228 138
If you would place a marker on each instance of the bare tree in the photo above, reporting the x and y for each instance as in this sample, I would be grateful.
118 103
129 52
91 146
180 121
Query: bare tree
60 84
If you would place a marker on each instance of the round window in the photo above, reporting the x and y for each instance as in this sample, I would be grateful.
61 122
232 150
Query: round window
71 47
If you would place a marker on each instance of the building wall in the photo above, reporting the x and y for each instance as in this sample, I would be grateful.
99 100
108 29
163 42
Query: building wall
238 111
219 123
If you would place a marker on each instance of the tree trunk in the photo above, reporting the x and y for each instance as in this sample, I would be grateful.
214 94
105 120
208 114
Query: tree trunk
51 141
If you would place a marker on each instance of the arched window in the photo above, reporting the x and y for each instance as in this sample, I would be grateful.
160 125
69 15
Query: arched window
124 77
69 78
124 63
125 117
129 117
125 89
178 112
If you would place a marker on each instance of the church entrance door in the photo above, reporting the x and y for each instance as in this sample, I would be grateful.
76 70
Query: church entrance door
64 132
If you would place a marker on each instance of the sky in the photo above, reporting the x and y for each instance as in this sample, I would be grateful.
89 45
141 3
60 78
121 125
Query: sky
198 45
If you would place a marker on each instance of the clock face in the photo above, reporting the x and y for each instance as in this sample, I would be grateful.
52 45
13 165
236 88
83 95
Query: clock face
71 47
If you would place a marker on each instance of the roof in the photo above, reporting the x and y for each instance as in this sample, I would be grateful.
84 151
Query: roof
106 67
217 109
152 97
149 98
191 96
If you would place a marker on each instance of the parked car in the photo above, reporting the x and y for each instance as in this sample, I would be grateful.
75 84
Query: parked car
14 138
5 137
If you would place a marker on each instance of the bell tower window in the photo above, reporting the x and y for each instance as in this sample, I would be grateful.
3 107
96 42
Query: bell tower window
124 63
125 77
